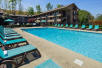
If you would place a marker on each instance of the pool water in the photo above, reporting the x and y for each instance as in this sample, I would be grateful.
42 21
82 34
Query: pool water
85 43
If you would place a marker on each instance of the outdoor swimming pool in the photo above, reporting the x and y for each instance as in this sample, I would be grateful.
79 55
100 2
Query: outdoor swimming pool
85 43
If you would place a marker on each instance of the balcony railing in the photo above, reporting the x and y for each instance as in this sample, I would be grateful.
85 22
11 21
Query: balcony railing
50 20
51 16
75 13
58 20
58 14
43 17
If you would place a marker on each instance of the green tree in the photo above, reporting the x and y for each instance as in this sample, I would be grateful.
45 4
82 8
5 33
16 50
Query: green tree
58 5
0 4
31 11
38 9
5 5
84 17
14 3
20 7
6 16
49 6
98 17
26 11
9 7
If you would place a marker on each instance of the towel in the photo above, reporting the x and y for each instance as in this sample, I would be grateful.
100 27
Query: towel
5 53
5 37
5 41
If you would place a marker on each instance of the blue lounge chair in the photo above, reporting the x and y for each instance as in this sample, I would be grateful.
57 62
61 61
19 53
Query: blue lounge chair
83 27
48 64
90 27
61 25
6 28
71 25
55 25
10 31
10 37
76 26
66 26
8 34
96 27
7 43
16 52
58 25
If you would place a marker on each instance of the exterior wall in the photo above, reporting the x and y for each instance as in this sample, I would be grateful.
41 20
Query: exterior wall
20 19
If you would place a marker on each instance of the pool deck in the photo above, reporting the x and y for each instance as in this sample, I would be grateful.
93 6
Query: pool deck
60 55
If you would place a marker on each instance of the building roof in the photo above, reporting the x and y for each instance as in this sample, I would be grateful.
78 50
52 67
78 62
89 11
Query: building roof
1 11
56 9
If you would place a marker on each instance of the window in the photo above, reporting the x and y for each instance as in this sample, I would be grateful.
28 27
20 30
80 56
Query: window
74 17
74 12
52 13
1 13
56 13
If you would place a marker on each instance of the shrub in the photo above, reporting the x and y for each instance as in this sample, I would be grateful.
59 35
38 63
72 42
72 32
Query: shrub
31 20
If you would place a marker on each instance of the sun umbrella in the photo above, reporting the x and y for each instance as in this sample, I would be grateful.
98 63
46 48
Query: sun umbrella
43 21
8 20
37 21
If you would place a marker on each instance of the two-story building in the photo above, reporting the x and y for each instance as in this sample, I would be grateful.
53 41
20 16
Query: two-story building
64 15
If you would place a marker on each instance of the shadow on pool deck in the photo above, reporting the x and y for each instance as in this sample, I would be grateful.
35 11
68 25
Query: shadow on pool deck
30 57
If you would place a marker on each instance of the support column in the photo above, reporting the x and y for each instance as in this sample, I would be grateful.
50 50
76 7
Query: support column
76 17
66 16
71 16
40 20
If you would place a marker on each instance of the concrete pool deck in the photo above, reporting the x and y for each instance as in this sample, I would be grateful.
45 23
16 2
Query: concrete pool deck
60 55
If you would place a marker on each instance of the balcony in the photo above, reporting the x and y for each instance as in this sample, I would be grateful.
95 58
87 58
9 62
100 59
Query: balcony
58 14
58 20
50 20
50 16
43 17
38 18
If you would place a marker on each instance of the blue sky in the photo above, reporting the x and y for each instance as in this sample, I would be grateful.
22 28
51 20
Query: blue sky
93 6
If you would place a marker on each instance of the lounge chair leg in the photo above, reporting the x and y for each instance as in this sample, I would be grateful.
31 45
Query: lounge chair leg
8 61
8 46
27 43
22 59
3 66
37 51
